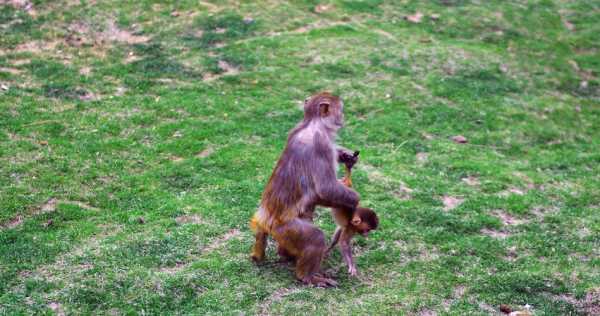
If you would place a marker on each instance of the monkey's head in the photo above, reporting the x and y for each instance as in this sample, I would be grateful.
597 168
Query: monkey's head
326 108
364 220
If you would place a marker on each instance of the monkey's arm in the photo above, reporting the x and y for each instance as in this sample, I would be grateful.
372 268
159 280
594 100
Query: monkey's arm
330 192
334 194
346 250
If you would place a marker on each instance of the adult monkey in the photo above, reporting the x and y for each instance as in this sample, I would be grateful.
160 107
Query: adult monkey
305 176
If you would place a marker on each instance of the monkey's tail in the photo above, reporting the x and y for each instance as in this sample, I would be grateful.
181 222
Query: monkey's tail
254 222
259 220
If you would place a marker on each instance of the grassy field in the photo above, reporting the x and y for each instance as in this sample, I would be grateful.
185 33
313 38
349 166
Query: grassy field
136 138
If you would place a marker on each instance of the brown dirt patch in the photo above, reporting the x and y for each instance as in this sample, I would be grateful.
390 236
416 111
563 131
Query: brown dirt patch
38 46
174 269
507 219
488 309
20 62
83 34
114 33
56 308
568 25
276 296
11 71
471 180
220 241
374 174
457 293
16 221
189 219
591 303
307 28
228 70
120 91
385 34
422 158
427 312
588 305
85 71
47 207
451 202
511 254
176 159
321 8
25 5
510 191
542 211
209 6
88 96
403 192
495 233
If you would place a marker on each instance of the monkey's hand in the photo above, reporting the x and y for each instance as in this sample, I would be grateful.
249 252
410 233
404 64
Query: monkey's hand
352 271
347 157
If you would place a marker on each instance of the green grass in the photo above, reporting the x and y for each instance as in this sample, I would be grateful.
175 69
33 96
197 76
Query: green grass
136 138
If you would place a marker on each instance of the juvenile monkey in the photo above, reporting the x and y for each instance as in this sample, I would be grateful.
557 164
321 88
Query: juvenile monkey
351 222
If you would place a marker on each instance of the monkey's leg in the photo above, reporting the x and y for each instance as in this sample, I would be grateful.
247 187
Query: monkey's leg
346 250
260 244
334 241
308 262
284 255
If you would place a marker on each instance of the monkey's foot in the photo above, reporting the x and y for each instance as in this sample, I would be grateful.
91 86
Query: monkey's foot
319 281
257 259
352 271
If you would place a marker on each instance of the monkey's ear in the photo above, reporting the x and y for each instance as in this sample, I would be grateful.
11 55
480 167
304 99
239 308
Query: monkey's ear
324 108
356 220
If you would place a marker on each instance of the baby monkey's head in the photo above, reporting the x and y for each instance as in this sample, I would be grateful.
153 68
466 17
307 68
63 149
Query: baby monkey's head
364 220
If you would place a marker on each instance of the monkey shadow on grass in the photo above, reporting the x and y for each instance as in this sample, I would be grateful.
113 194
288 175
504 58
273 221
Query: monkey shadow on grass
331 267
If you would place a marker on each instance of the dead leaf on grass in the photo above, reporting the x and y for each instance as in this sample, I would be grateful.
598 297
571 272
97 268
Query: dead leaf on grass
507 219
415 18
227 68
11 71
422 157
49 206
459 139
494 233
205 153
322 8
471 180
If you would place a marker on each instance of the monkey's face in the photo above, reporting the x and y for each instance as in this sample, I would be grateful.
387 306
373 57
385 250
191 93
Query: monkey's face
364 221
334 116
339 115
363 228
327 108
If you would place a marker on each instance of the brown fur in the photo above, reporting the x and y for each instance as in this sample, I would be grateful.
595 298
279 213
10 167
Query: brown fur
304 177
